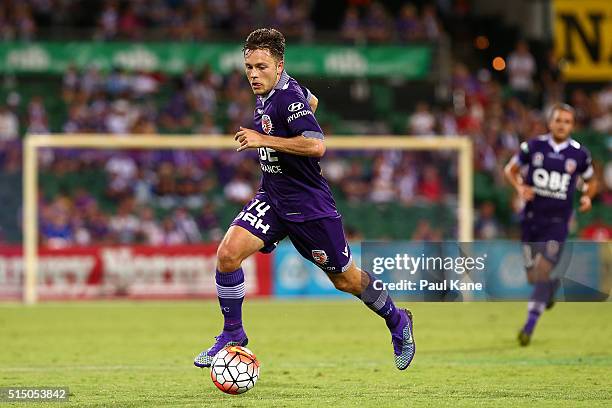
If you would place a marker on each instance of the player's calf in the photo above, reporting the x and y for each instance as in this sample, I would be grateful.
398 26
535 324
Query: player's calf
347 282
399 321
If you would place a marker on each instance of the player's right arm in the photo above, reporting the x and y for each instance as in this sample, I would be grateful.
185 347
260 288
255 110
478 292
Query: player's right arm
512 171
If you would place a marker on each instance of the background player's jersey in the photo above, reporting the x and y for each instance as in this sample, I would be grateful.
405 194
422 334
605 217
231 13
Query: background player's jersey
552 170
294 184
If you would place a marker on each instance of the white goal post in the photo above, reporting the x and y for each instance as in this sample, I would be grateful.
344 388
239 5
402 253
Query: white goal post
462 146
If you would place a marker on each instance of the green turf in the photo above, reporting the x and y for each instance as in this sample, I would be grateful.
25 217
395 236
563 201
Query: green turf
312 354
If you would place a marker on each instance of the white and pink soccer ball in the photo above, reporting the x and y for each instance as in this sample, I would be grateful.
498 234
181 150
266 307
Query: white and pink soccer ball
234 370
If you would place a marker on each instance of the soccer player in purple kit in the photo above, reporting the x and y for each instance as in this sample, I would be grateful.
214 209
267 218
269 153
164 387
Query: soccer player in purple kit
544 174
294 200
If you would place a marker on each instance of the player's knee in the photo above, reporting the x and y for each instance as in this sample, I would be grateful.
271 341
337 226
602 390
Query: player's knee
228 258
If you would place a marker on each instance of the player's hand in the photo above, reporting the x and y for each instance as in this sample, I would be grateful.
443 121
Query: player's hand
248 139
526 192
585 203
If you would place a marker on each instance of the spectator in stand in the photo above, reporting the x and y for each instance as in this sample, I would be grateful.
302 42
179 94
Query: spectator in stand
552 82
121 118
165 185
189 185
487 227
121 172
143 84
208 126
239 190
26 27
521 70
383 189
171 235
117 83
56 232
584 108
422 122
431 25
70 84
90 82
129 25
202 95
9 125
355 185
150 232
37 116
176 115
98 226
240 110
108 24
352 30
408 25
377 24
208 223
185 223
407 181
425 232
430 186
82 236
124 225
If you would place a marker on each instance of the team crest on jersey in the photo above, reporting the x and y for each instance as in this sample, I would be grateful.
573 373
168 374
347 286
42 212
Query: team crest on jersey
266 124
537 160
319 256
570 166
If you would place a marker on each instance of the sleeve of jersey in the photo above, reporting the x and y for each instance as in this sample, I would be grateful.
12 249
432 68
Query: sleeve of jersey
306 92
586 169
300 119
524 154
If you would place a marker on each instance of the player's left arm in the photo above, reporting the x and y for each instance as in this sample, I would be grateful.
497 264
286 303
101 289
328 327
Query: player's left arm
589 188
298 145
313 101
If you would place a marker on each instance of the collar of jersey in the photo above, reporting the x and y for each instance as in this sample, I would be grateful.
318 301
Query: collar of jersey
557 147
281 84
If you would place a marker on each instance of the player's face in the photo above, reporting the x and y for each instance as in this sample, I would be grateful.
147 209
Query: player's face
561 124
262 70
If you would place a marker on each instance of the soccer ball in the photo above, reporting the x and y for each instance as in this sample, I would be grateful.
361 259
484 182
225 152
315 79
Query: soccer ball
234 370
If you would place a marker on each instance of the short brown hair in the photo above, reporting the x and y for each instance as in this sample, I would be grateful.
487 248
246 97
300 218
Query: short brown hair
561 107
266 39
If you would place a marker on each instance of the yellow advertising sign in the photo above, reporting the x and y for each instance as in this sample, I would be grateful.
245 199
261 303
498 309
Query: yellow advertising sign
583 38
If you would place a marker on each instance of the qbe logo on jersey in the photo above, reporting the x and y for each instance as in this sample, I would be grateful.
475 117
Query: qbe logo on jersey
295 106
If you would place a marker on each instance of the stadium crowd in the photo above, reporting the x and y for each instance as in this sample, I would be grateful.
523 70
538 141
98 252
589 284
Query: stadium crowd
174 197
193 20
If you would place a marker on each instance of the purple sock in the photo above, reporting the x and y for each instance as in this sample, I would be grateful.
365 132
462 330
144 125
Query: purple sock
380 302
230 290
553 285
537 303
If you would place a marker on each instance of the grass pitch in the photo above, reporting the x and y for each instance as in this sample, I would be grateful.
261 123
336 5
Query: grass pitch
312 354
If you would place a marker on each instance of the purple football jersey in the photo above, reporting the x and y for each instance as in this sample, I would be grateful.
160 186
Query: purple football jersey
294 185
552 170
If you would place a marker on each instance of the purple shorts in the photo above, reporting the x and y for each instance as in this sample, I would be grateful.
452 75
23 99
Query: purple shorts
546 239
321 241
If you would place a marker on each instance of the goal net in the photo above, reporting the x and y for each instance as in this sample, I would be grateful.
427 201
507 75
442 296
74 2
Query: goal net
449 155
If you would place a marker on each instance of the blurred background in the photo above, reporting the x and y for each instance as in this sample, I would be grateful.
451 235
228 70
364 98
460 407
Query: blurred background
484 70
